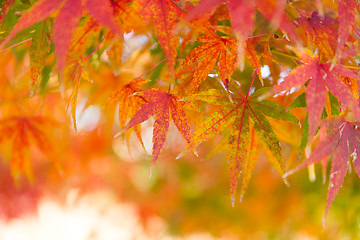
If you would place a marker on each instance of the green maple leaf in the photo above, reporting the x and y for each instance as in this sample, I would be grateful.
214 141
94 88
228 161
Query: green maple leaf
236 119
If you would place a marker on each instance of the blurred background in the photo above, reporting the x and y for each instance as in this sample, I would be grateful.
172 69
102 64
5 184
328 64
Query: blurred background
95 184
106 193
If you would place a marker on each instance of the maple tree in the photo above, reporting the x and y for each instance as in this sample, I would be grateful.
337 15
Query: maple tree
201 64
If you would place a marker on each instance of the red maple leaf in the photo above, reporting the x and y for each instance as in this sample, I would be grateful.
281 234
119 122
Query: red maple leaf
343 141
165 14
274 11
322 77
162 104
237 8
320 31
66 21
347 11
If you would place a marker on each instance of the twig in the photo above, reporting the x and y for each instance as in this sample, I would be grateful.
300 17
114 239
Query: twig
152 68
15 45
97 47
252 82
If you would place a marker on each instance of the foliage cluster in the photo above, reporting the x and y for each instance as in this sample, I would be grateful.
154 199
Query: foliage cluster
247 76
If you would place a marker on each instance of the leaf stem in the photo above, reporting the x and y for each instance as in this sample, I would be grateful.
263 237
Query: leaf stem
169 88
259 35
15 45
286 55
284 52
252 82
284 39
356 30
87 31
152 68
352 67
97 47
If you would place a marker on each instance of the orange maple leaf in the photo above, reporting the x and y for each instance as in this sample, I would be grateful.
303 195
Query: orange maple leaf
76 72
254 58
129 103
203 58
25 132
241 25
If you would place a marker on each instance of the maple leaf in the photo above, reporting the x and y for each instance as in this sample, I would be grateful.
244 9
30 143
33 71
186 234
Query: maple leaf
114 51
321 33
322 77
124 11
241 25
347 11
213 48
64 25
274 11
129 103
83 37
245 9
238 116
39 49
5 5
76 72
164 105
165 14
254 58
250 159
343 141
66 21
25 132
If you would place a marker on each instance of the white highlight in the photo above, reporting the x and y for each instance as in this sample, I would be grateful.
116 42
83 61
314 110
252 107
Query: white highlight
265 71
92 217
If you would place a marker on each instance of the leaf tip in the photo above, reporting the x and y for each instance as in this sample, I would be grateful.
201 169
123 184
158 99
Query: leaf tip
332 65
179 156
262 82
286 182
195 152
233 200
133 94
288 173
119 134
241 197
150 172
324 179
312 176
